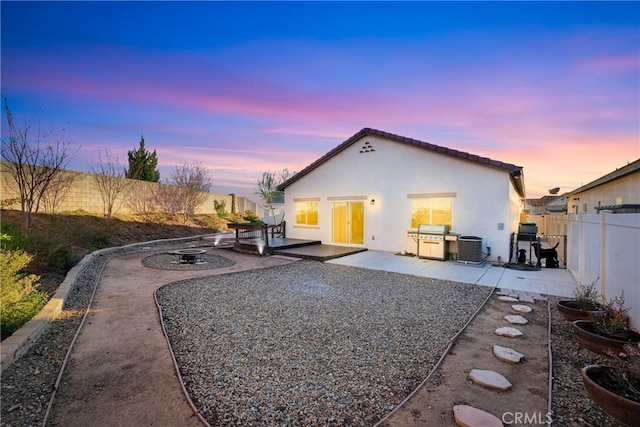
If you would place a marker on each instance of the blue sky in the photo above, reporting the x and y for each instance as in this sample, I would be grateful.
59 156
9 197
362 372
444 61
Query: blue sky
245 87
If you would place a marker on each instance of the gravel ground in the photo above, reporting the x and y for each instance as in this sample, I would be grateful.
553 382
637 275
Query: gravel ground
571 403
339 344
309 343
168 261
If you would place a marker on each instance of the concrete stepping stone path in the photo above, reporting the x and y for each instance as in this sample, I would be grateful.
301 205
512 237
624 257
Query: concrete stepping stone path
490 379
516 319
509 332
506 354
468 416
526 298
522 308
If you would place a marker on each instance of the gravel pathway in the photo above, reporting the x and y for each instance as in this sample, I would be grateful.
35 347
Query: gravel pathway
310 343
28 382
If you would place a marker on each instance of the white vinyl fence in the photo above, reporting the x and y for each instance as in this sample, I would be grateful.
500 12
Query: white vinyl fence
607 246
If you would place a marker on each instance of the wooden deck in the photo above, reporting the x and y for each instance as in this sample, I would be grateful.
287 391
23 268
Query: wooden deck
319 252
299 248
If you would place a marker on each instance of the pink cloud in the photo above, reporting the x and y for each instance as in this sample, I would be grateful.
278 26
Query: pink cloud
286 111
612 64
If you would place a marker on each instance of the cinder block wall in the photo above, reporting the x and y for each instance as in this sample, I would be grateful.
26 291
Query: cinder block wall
84 195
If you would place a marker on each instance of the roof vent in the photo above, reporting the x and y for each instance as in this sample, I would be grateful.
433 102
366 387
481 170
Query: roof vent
367 148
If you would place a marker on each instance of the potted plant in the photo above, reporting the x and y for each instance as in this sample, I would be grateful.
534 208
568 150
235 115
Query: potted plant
616 390
608 331
585 302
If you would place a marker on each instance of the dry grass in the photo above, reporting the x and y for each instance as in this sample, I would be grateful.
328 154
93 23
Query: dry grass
59 241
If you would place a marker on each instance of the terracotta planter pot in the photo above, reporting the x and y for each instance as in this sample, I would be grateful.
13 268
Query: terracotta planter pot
622 409
607 345
570 311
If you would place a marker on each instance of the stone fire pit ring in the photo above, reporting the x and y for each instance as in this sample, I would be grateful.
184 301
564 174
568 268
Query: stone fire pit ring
189 256
186 259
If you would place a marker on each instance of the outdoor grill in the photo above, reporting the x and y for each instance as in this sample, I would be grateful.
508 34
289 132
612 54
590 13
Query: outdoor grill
432 242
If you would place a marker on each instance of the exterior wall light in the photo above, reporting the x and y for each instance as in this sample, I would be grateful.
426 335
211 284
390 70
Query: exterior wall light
372 202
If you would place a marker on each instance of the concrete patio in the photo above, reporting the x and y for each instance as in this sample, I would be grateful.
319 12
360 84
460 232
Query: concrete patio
548 281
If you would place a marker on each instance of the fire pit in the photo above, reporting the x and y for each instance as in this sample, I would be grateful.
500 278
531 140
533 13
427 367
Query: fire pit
189 256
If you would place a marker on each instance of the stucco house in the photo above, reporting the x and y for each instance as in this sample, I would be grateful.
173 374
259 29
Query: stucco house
618 191
376 188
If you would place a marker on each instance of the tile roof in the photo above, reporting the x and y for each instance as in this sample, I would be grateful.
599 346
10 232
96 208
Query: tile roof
612 176
485 161
544 200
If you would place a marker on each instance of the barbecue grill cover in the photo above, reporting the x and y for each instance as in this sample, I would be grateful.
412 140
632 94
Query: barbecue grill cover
528 228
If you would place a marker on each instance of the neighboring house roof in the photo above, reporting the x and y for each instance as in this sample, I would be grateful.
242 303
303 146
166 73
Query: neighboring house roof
630 168
548 204
515 171
542 201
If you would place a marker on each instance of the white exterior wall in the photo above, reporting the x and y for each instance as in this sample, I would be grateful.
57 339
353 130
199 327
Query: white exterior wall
622 190
484 196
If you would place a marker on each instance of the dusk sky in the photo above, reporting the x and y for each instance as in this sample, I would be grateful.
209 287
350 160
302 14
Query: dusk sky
245 87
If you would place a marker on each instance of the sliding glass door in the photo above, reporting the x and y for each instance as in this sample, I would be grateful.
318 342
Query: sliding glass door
348 222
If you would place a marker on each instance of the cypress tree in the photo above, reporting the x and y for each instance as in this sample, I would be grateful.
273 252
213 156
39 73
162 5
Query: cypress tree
142 164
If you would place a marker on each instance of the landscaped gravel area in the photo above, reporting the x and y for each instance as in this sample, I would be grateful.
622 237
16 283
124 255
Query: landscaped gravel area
280 340
571 403
310 343
169 261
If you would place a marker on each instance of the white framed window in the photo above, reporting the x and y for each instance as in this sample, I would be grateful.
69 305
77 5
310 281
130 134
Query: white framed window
432 208
307 211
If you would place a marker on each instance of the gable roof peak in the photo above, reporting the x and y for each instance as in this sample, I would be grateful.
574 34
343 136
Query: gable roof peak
437 148
514 170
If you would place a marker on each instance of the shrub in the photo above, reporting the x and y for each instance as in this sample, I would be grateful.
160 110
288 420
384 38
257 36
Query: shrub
221 207
62 260
17 314
19 298
586 296
14 284
251 216
14 237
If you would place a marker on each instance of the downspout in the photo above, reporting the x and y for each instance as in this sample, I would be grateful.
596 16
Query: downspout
603 254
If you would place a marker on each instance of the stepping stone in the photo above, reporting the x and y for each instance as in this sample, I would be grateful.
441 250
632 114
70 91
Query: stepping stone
522 308
468 416
490 379
509 332
506 354
508 299
527 298
516 319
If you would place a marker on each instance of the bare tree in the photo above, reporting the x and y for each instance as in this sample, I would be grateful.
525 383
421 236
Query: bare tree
143 198
108 176
58 190
194 181
168 198
32 162
267 186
